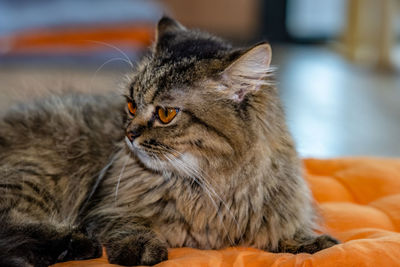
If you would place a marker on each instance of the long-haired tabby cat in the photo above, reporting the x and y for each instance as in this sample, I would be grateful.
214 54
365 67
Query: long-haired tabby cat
197 154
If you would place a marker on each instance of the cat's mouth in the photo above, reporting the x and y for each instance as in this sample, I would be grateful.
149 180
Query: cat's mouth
162 160
148 159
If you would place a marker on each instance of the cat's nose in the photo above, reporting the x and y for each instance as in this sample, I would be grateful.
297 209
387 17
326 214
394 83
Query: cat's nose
134 133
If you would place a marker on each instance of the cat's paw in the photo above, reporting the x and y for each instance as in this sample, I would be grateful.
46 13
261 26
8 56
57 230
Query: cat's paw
318 243
41 245
140 248
14 261
310 245
80 247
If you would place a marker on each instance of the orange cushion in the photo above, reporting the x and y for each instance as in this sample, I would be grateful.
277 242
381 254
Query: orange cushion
84 39
359 199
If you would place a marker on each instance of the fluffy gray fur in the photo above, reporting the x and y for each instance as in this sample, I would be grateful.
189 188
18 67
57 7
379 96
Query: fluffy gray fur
78 171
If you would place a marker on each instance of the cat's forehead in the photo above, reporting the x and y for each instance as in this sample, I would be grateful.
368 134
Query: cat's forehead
163 80
177 64
189 44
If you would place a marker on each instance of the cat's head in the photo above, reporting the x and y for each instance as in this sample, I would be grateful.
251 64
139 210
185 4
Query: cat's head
195 102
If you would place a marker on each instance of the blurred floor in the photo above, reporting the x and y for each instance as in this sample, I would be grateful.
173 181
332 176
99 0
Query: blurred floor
333 108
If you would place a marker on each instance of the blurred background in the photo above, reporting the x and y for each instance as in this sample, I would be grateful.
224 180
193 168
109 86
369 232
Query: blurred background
338 60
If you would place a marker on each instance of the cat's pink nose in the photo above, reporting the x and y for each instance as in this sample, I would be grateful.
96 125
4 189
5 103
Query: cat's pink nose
131 136
135 132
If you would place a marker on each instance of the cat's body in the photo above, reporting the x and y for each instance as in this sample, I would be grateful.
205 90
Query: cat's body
215 168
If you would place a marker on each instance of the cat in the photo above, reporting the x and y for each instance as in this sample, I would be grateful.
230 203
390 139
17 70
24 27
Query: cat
196 153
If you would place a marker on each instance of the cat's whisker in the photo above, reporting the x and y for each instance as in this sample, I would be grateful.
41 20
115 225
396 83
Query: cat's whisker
105 63
100 177
189 171
174 161
210 188
119 178
198 173
202 175
116 48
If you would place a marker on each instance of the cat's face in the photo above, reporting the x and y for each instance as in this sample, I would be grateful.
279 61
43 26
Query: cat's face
190 103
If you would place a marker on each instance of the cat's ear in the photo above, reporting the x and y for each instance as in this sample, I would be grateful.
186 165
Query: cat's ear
167 25
248 72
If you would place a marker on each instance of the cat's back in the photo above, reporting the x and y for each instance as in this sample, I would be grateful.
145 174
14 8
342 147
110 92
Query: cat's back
62 120
63 133
63 142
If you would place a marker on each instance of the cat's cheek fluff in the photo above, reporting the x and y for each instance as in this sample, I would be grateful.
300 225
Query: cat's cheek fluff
129 144
190 162
149 162
136 150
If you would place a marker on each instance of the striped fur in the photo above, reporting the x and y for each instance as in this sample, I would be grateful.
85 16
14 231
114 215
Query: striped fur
223 172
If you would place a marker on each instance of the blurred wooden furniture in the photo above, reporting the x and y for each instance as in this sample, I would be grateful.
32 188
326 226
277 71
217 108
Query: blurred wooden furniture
235 19
370 33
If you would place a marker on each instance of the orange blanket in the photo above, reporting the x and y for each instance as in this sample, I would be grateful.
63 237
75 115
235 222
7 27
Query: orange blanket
359 200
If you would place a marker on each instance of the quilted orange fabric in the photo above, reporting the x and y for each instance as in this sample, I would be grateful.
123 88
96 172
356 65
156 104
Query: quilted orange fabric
359 200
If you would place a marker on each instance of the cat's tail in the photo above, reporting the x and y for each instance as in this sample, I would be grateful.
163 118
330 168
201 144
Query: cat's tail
42 244
13 246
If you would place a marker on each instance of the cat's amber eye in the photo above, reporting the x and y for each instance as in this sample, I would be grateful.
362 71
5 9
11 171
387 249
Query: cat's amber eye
132 108
166 115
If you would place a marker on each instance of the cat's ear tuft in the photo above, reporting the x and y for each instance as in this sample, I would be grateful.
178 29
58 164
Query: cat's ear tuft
248 72
167 25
